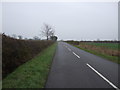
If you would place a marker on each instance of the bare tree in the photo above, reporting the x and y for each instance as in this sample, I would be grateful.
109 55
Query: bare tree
47 31
36 38
14 36
20 37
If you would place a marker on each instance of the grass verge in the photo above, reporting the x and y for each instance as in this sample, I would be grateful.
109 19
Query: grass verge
111 58
32 74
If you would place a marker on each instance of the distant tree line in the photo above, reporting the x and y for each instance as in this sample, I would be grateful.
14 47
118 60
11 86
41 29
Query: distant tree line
105 41
47 31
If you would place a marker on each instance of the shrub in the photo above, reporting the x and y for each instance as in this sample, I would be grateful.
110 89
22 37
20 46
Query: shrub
16 52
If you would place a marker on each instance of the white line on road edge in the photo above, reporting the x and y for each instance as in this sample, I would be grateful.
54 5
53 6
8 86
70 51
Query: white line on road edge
103 77
76 55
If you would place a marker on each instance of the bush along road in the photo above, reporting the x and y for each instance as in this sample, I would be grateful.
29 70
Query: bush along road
32 74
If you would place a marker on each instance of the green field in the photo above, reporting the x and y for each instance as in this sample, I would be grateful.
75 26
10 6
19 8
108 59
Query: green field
104 46
108 57
32 74
107 45
107 50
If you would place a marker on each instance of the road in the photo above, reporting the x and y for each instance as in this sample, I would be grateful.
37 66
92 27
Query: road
75 68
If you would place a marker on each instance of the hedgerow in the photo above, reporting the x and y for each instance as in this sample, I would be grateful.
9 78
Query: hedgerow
16 52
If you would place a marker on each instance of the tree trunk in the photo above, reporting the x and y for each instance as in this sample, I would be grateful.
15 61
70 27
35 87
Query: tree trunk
47 37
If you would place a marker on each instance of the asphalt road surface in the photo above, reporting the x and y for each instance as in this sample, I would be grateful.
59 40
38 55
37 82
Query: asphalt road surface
75 68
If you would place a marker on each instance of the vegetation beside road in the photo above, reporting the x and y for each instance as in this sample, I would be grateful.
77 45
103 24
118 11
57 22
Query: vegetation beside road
109 50
113 46
32 74
16 52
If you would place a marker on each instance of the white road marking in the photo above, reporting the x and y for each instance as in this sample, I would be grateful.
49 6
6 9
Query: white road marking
103 77
76 55
69 49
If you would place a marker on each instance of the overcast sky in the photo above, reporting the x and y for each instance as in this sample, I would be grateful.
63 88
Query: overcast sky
72 21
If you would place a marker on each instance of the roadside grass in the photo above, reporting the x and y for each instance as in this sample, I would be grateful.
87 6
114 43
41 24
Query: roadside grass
32 74
108 57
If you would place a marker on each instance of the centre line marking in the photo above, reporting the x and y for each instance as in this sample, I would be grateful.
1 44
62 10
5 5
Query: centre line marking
69 49
103 77
76 55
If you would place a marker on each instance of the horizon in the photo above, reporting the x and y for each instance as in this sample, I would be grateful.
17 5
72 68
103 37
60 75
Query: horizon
76 21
